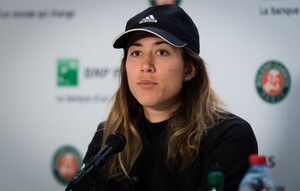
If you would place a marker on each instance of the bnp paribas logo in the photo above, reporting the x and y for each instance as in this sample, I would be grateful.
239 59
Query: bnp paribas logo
165 2
273 81
67 72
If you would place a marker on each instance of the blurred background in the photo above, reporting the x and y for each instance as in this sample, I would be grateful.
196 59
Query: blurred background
58 71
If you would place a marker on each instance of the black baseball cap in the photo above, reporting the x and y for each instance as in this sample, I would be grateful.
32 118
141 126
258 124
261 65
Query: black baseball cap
169 22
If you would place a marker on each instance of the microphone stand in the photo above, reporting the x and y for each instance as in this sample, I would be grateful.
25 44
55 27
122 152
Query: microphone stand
91 167
115 143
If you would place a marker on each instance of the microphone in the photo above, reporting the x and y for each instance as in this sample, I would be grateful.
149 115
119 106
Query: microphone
114 144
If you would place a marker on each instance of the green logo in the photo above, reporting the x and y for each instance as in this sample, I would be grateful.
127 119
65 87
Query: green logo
66 164
67 72
165 2
273 81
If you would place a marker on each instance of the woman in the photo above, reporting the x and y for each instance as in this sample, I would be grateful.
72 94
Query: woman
176 127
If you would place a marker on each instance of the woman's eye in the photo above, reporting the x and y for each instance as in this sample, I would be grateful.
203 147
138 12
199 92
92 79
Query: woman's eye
162 52
136 53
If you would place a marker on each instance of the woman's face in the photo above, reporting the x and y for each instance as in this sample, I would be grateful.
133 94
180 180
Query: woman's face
155 71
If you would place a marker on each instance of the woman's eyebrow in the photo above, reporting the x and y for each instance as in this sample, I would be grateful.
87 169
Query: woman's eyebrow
160 42
135 44
155 43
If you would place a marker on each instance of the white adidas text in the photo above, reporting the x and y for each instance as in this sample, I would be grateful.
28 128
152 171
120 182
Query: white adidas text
148 19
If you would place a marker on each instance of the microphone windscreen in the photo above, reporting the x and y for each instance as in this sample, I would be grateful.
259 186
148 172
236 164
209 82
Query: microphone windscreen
117 141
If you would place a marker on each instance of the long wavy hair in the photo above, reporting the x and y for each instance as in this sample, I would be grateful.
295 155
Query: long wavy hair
186 128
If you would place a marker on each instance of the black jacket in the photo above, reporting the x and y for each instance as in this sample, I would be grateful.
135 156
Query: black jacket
225 148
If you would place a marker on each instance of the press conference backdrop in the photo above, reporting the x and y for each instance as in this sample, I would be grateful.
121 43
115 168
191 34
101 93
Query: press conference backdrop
58 71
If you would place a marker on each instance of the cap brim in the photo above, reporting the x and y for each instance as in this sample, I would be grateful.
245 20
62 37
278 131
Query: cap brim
122 40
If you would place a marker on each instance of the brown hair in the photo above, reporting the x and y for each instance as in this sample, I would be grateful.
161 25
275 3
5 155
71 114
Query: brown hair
186 127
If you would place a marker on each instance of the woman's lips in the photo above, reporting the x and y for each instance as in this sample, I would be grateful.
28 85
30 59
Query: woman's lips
145 84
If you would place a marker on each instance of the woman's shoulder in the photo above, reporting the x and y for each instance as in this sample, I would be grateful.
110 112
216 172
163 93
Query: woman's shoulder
233 121
232 125
100 126
233 133
94 145
98 133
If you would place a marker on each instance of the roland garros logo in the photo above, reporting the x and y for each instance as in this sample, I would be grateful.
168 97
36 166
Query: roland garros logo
272 81
66 163
164 2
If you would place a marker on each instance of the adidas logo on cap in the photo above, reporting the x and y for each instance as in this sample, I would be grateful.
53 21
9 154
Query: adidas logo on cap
148 19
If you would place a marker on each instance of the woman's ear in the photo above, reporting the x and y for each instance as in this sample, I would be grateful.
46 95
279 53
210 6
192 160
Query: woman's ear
189 71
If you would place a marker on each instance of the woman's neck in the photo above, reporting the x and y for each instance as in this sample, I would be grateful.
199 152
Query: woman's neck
156 115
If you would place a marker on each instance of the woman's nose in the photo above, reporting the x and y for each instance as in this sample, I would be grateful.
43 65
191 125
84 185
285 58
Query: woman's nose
148 64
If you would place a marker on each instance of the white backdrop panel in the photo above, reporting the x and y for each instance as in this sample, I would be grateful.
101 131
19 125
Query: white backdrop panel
37 116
